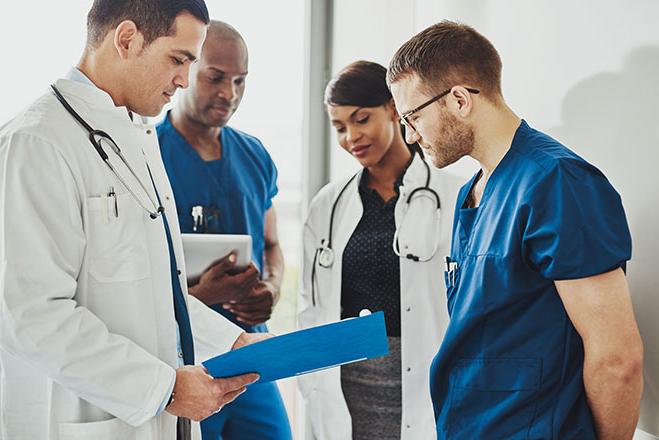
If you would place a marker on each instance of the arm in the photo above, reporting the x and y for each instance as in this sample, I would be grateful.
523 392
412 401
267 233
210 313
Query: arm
273 270
600 309
258 306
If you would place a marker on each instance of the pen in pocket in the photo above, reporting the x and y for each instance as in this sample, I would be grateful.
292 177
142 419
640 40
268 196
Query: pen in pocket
112 198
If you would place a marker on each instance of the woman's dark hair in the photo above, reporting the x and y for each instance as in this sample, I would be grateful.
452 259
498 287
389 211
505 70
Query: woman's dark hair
154 18
361 84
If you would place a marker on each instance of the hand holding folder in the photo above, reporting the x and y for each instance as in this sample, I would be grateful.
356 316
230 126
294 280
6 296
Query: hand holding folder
307 350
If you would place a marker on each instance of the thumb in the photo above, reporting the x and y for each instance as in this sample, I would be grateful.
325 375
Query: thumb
223 265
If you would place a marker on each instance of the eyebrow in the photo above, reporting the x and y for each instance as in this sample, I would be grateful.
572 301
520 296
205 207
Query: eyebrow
187 54
352 115
224 73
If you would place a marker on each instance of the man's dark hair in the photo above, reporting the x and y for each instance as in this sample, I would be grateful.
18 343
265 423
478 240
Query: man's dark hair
153 18
447 54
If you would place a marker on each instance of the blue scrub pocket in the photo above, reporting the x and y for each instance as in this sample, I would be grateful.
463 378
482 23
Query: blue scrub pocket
493 398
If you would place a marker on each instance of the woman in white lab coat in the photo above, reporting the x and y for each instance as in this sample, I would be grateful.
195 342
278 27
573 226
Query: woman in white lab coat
376 241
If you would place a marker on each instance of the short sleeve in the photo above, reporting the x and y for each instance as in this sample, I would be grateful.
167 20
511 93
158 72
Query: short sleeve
574 224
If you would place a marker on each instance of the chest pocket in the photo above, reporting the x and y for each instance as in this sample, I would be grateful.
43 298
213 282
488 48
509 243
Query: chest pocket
116 242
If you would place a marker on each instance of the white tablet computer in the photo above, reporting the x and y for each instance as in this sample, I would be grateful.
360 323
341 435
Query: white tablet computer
201 250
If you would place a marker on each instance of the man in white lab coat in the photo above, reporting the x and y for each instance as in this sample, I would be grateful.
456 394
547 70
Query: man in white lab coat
95 320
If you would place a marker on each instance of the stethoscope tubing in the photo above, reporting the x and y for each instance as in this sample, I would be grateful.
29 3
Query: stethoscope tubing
324 255
92 134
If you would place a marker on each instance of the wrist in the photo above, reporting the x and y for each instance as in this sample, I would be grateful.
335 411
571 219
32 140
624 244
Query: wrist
275 282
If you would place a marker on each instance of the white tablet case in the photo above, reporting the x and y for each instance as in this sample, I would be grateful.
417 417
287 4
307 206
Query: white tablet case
201 250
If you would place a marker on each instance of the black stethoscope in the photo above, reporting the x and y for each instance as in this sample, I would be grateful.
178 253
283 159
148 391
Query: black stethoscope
325 256
98 136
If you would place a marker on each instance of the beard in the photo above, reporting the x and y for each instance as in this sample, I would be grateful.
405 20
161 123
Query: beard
453 141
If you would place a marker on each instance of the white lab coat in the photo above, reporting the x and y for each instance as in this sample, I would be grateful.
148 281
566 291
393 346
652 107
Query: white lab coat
87 328
424 316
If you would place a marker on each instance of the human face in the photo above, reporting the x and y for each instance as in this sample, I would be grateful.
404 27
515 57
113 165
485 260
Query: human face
217 83
367 133
153 76
439 129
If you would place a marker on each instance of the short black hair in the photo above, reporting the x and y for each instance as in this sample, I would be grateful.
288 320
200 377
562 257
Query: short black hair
153 18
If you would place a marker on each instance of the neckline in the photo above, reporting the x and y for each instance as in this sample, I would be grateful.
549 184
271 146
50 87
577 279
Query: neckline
191 150
491 181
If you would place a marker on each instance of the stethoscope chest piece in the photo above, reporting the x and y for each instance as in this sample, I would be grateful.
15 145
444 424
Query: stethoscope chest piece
326 257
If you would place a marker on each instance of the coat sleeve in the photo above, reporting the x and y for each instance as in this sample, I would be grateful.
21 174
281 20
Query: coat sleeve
213 333
42 244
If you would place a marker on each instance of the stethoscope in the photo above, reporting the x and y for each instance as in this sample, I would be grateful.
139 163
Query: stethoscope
95 137
325 256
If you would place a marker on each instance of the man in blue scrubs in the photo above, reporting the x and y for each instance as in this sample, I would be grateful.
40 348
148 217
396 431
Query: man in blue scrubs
228 178
542 342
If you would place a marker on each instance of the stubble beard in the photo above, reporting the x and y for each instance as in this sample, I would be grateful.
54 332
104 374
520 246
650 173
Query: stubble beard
454 140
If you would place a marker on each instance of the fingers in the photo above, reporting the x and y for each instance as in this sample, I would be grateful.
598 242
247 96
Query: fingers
253 319
252 314
223 265
232 384
262 288
225 400
231 396
254 299
250 305
253 309
248 278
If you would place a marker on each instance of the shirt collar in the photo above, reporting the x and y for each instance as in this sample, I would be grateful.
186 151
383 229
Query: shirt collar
75 74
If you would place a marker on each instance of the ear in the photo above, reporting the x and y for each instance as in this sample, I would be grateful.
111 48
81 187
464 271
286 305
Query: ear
460 101
128 39
391 109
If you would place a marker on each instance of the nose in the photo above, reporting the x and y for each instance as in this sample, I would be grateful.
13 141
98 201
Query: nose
411 135
182 80
352 134
228 90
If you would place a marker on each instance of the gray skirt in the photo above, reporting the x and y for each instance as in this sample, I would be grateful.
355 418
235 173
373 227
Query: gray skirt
372 390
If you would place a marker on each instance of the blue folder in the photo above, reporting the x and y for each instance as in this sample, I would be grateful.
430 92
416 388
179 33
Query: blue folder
305 351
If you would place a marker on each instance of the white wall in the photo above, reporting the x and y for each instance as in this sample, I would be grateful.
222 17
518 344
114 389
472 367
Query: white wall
584 71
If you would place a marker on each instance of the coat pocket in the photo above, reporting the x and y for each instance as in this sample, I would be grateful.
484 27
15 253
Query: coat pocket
116 242
113 429
493 397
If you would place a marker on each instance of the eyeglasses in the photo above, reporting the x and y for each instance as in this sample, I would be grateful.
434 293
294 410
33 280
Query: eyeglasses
405 117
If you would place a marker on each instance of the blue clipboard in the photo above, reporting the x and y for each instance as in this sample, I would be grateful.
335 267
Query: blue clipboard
306 351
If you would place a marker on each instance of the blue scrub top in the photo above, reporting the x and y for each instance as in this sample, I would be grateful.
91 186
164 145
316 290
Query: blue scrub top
511 363
235 191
